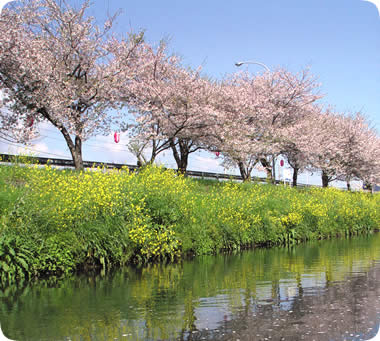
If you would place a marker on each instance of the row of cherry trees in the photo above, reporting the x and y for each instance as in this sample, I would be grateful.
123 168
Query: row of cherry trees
250 120
57 65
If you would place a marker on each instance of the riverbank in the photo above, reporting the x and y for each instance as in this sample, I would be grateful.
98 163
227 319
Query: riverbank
266 292
56 222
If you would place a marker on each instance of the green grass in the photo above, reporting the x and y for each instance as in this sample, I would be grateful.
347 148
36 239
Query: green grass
56 222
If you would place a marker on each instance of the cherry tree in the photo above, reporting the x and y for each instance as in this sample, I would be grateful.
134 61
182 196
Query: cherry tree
341 146
172 106
295 157
358 153
372 177
14 129
237 133
320 144
56 65
334 146
146 142
289 102
296 141
255 111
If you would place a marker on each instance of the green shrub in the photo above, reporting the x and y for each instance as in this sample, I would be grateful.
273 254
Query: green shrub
55 222
15 259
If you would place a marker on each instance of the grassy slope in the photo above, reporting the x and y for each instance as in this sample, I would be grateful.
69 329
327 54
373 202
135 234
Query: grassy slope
55 222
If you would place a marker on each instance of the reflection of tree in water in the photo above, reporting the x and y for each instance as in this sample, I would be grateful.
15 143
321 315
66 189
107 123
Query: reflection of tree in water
348 310
277 292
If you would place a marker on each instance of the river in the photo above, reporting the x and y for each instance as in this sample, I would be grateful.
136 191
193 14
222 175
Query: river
325 290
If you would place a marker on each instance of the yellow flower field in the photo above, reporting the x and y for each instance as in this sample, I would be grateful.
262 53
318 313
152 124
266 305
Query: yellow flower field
54 222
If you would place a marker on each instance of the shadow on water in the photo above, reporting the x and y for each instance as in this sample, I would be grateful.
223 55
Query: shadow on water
328 290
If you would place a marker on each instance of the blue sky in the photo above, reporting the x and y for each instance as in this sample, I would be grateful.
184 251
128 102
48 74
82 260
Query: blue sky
338 39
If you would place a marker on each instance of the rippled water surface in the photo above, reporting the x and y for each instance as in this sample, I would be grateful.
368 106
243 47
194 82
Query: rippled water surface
328 290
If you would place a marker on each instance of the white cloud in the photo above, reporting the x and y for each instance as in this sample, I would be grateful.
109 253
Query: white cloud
104 148
6 148
40 146
207 164
36 148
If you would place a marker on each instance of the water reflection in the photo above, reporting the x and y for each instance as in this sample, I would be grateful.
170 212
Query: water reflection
328 290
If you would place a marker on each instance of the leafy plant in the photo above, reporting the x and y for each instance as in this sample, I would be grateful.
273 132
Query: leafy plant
56 222
15 259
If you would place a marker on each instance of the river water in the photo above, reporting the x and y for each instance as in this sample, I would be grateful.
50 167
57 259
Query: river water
326 290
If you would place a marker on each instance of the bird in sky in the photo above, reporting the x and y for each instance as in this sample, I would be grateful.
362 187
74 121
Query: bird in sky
376 3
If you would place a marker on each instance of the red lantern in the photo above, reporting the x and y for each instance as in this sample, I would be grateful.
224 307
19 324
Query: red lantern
217 154
282 163
116 137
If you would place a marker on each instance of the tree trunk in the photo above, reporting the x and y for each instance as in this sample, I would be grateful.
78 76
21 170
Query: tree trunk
182 165
268 169
75 149
295 176
325 179
76 153
154 153
182 157
243 172
348 186
78 160
142 162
